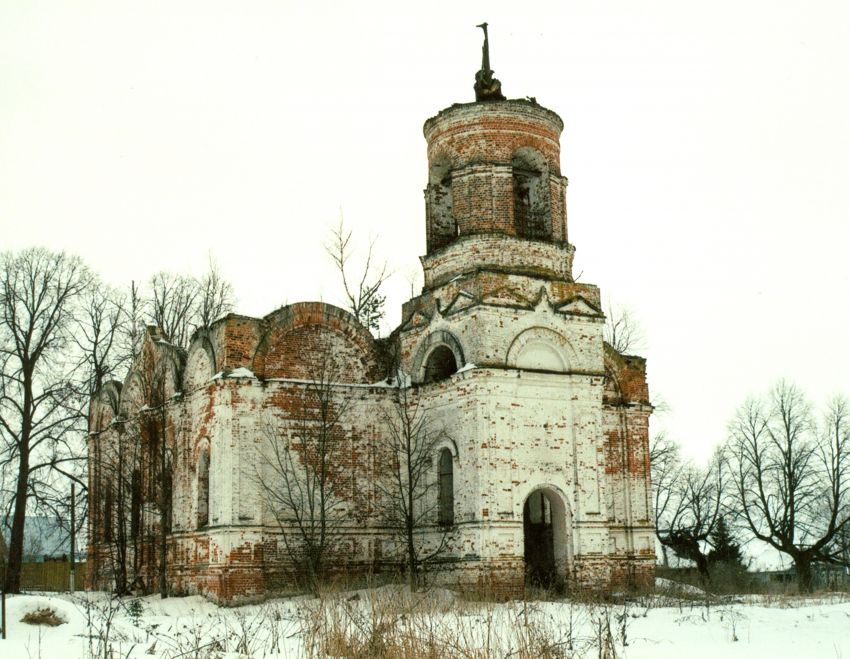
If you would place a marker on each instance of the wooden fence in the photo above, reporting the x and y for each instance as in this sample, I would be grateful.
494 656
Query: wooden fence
51 576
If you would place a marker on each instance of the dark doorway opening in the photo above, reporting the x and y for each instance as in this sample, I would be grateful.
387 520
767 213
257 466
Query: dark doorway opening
539 541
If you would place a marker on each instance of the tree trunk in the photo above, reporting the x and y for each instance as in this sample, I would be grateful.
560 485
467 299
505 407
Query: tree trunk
805 578
411 560
410 520
702 567
16 540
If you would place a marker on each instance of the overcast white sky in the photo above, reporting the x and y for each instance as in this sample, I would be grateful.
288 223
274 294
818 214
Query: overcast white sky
707 146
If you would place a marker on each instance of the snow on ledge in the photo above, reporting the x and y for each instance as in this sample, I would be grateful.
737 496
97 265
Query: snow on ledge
240 372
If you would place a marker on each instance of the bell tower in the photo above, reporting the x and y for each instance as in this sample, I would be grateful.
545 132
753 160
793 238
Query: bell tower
547 425
494 167
494 185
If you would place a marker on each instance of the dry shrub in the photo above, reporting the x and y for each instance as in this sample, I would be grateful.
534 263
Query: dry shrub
396 624
45 616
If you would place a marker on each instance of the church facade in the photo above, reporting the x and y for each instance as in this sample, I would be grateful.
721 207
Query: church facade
534 432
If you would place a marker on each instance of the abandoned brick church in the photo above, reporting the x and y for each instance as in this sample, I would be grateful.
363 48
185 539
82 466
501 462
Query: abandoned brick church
538 465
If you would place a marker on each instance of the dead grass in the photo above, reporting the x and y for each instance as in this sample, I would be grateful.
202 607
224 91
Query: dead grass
45 616
392 623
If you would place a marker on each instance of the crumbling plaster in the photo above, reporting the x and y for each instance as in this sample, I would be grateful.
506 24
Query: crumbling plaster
538 402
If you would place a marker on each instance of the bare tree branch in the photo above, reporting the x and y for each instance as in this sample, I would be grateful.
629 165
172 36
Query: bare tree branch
409 485
622 331
362 291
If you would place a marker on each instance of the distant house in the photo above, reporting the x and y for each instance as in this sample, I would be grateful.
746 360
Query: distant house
824 576
44 539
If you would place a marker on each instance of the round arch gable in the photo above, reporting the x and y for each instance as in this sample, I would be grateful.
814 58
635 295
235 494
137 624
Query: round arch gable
540 349
170 364
435 340
132 394
105 406
200 363
290 323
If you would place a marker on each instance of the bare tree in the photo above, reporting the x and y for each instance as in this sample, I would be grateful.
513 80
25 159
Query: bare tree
41 410
116 469
300 472
132 324
408 485
791 478
172 306
363 290
131 464
97 335
688 502
665 458
835 456
159 436
179 304
622 331
215 298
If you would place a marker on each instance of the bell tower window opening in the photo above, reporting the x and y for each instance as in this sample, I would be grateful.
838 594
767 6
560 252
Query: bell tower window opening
532 212
442 226
446 506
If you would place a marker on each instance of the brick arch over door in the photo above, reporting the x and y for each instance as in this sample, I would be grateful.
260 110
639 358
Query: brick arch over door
314 340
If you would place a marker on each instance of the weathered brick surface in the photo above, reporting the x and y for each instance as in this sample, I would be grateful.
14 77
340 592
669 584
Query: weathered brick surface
539 404
498 254
473 146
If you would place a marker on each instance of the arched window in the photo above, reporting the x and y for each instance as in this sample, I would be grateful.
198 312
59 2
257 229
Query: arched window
447 493
204 488
167 497
107 513
135 504
532 216
441 364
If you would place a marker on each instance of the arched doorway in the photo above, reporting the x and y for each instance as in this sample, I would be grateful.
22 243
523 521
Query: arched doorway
544 525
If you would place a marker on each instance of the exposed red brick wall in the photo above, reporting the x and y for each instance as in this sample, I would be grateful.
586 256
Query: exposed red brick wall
477 142
626 378
307 340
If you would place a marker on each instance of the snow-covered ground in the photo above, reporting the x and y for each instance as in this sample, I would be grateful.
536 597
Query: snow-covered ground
656 627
